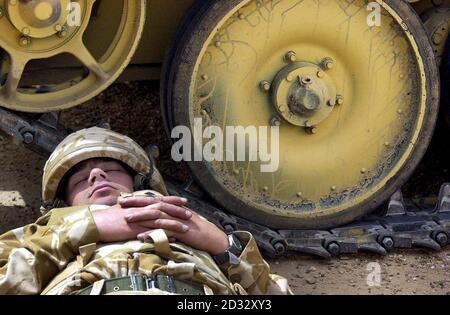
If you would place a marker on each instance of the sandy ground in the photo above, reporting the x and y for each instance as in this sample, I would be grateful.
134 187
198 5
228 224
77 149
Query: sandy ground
401 272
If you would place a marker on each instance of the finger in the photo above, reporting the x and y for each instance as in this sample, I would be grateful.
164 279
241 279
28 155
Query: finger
175 200
146 201
137 201
143 237
142 214
172 210
166 224
138 229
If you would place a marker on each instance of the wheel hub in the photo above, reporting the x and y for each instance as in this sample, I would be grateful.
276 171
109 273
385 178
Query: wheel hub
303 94
38 18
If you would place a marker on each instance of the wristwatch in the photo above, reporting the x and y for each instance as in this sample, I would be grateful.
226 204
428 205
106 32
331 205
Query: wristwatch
229 257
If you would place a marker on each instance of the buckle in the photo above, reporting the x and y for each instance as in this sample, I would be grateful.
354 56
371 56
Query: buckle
150 283
171 285
153 282
134 281
156 282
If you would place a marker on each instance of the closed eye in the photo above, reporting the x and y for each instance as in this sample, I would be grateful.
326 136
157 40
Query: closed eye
108 171
80 181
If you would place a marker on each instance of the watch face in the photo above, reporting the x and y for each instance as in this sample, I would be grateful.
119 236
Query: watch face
231 255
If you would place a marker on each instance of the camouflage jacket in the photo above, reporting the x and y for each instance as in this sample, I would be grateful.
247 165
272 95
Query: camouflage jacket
60 254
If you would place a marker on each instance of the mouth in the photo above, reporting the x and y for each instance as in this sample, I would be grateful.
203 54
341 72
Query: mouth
100 188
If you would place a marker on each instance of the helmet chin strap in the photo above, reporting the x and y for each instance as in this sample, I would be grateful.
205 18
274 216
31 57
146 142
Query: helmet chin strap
55 204
152 180
142 181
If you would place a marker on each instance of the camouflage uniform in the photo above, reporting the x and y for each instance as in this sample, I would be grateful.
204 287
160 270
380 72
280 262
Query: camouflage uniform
61 253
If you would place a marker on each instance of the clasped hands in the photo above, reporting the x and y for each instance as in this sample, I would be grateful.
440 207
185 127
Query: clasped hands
134 217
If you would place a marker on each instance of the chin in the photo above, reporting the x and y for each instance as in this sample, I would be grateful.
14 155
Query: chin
105 201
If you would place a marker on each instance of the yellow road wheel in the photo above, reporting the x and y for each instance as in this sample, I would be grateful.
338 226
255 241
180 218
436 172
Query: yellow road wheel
46 31
355 102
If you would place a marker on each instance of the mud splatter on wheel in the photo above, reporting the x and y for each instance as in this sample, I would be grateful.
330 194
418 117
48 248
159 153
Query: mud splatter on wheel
356 104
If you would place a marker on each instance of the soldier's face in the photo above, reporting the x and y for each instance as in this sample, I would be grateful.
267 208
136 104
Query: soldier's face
97 181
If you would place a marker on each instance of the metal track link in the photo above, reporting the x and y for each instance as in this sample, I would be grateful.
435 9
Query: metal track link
404 225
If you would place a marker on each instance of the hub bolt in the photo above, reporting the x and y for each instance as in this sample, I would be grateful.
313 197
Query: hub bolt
265 85
320 74
331 103
26 31
328 63
63 32
275 121
442 238
24 41
388 242
58 27
290 56
311 130
306 80
339 99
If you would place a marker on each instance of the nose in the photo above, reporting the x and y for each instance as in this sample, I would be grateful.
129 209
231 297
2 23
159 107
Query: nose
97 174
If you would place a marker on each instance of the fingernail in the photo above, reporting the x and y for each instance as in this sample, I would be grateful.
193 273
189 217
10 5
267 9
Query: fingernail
188 214
185 228
184 200
128 217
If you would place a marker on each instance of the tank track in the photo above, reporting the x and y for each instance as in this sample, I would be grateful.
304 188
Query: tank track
403 224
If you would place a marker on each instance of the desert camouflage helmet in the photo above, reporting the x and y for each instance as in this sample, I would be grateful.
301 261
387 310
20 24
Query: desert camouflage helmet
94 143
